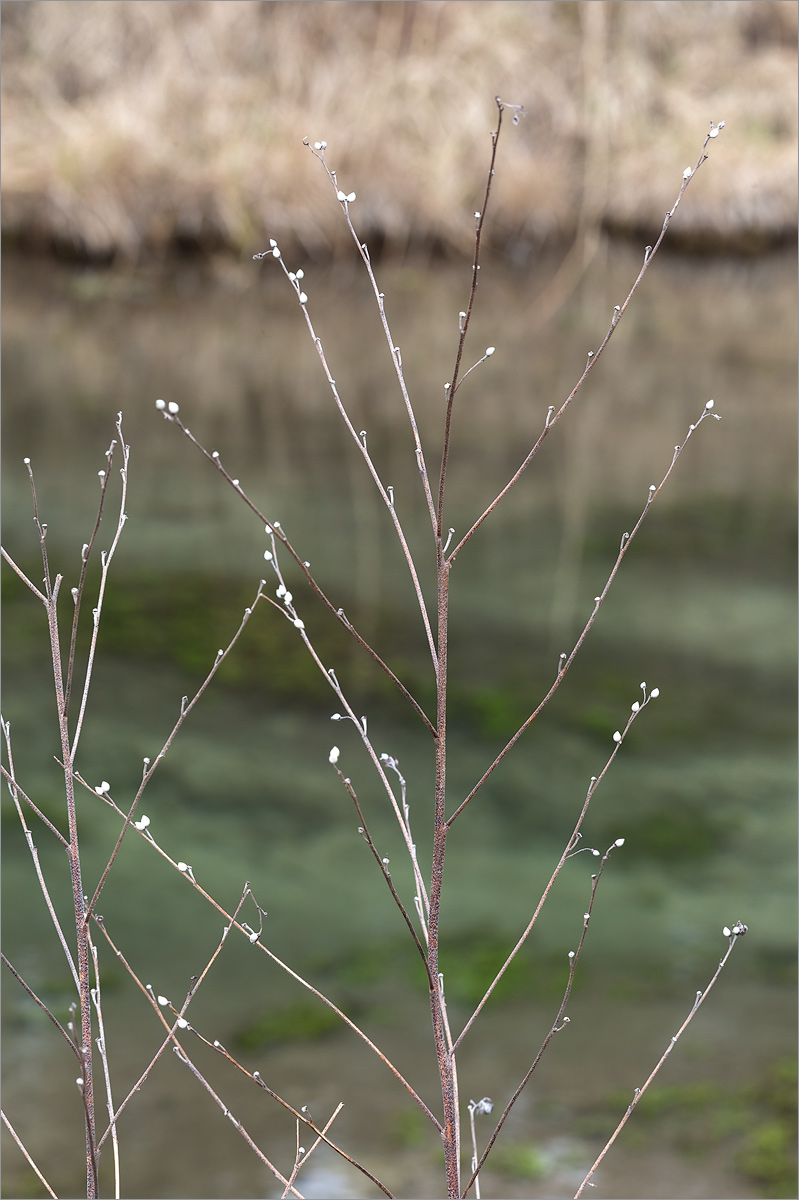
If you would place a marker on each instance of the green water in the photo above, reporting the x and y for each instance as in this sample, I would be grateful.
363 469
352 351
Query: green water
703 791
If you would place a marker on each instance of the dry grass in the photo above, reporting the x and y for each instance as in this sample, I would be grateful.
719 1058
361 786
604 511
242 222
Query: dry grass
128 124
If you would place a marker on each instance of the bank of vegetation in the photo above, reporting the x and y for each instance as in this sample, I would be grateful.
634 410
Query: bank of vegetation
132 128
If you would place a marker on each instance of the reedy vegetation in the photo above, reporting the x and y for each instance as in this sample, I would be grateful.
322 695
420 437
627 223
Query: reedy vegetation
421 913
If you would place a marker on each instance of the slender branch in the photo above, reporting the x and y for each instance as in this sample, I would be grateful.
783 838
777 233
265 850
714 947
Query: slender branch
39 595
593 357
567 853
103 1050
43 1007
16 791
31 1163
560 1022
159 1003
452 387
564 665
383 865
276 528
77 593
185 709
360 441
738 930
318 151
106 563
187 874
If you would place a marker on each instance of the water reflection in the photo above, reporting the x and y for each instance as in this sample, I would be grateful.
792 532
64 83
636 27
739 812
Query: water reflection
704 608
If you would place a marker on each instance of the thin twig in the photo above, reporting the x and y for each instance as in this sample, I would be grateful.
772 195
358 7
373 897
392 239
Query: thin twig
560 1022
593 358
277 529
17 1139
738 930
567 853
151 767
598 601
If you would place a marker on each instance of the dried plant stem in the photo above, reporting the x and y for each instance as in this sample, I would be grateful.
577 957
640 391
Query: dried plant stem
738 930
338 613
31 1163
561 1020
567 853
185 709
396 357
464 325
216 1046
593 358
599 600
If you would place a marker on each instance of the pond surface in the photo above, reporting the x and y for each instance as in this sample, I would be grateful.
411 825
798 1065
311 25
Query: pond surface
703 792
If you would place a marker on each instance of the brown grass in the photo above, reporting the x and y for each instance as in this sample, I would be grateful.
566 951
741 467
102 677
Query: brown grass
131 123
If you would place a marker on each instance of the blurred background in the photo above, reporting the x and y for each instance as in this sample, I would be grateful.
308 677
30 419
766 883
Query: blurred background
148 151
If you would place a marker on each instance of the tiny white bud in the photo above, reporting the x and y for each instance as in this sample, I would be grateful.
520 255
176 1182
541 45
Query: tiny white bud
268 555
162 1000
303 298
687 173
300 274
253 937
351 197
79 1081
317 145
183 866
715 132
595 853
182 1023
653 695
337 717
142 823
215 454
276 252
726 931
643 687
617 736
292 276
340 196
710 403
490 350
619 842
173 408
159 404
281 591
287 598
334 755
324 145
385 862
571 954
298 624
477 216
636 706
101 474
272 243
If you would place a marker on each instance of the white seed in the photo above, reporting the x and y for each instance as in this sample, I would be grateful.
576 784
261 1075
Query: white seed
617 736
334 755
160 405
173 408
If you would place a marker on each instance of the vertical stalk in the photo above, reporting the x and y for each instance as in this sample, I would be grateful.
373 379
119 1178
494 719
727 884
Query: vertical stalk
449 1134
81 928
